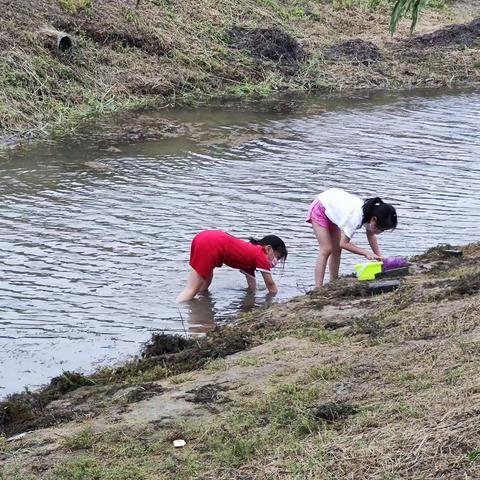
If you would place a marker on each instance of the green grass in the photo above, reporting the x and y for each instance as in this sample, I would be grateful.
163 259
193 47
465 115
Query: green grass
16 475
318 334
249 361
181 378
81 468
325 374
275 421
4 446
474 456
82 440
75 6
217 365
158 372
415 382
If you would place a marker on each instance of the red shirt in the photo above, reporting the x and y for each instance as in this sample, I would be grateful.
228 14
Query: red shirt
213 248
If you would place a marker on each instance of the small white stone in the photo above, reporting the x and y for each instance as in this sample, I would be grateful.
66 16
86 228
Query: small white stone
179 443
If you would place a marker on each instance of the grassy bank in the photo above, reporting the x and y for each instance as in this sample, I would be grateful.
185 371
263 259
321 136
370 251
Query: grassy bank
334 384
162 52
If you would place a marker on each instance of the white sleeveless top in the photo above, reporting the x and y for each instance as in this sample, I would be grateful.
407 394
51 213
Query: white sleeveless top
343 209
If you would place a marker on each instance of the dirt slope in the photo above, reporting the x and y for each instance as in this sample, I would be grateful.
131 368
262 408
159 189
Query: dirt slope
162 52
335 384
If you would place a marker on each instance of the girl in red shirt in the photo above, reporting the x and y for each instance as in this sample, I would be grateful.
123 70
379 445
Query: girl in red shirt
213 248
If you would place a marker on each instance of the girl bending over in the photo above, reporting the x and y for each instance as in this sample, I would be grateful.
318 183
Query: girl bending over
213 248
335 215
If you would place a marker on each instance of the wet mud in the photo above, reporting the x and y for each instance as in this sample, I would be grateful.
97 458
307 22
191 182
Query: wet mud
209 395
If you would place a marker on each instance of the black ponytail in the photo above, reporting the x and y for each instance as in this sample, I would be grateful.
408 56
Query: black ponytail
384 212
275 242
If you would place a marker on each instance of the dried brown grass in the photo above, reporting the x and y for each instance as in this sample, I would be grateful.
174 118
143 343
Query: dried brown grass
164 52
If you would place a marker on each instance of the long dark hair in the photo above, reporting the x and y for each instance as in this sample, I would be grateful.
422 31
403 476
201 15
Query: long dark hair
275 242
384 212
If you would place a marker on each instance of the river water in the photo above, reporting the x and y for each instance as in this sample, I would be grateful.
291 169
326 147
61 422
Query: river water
95 230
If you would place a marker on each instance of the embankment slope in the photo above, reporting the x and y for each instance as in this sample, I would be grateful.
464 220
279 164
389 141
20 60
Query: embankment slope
331 385
125 53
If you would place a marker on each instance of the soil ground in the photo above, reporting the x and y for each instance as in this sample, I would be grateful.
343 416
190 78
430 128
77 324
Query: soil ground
333 384
123 54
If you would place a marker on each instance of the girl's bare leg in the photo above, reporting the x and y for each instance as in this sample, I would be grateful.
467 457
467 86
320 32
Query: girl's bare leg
334 260
325 242
194 285
206 283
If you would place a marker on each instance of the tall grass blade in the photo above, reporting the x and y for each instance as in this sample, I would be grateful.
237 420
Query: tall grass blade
402 8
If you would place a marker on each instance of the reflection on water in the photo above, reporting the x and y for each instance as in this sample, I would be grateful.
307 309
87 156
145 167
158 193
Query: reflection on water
203 317
201 314
95 232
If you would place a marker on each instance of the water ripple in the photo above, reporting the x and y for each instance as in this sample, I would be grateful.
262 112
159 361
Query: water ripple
93 260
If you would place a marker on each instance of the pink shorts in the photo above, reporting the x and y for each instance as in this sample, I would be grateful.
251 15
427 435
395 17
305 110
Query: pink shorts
316 213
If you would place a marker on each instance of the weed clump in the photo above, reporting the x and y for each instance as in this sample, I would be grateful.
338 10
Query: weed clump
68 381
139 393
333 412
359 51
268 44
162 343
467 35
466 284
208 394
366 326
341 288
438 252
176 355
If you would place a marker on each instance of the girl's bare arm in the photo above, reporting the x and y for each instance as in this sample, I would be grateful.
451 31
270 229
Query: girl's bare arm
269 283
346 244
251 280
372 240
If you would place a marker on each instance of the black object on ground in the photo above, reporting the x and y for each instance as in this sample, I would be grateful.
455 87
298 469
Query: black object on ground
453 253
395 272
383 287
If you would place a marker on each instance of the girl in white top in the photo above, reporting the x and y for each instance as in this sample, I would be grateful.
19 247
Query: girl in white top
335 215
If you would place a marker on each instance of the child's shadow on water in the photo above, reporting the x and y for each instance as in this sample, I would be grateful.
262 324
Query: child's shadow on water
204 317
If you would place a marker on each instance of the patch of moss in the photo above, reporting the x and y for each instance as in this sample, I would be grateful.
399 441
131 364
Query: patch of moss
163 343
466 284
24 411
433 252
341 288
333 412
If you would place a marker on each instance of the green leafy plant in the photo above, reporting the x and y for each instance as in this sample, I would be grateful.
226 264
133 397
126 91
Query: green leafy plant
404 8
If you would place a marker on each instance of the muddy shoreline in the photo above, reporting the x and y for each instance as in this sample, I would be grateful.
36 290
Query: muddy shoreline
427 330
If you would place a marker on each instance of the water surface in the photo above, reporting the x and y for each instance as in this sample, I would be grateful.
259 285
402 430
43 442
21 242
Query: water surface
94 240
